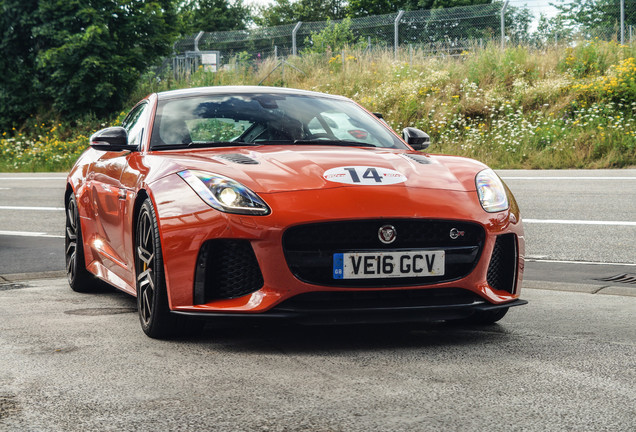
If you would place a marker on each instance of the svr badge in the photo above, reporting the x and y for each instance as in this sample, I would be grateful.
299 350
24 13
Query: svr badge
364 175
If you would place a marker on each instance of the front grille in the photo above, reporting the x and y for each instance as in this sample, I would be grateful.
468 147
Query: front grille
502 271
226 269
370 300
309 248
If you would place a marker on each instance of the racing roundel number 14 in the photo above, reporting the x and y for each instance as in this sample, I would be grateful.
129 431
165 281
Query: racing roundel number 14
364 175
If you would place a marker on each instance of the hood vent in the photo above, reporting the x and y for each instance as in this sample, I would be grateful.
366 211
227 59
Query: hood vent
239 158
418 158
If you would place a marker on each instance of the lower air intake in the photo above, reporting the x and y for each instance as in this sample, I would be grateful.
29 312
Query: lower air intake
226 269
502 271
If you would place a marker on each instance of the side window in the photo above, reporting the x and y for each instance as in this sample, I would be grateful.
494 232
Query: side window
134 123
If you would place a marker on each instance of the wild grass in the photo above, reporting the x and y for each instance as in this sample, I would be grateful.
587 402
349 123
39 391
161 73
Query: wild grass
560 107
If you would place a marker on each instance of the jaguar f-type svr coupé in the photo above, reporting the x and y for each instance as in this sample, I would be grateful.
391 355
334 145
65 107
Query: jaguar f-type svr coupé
280 203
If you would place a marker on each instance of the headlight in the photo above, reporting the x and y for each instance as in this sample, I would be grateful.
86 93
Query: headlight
491 191
225 194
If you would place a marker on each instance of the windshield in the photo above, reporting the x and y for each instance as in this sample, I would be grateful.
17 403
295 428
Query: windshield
261 119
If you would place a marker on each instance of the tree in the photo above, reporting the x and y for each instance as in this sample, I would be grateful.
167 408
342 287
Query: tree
360 8
551 30
594 16
288 12
517 22
334 38
79 56
18 84
212 16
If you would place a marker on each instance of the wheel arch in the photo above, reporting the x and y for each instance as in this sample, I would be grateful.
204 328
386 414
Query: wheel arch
142 195
69 190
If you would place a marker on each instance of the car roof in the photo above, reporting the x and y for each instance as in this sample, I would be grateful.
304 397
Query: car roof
246 90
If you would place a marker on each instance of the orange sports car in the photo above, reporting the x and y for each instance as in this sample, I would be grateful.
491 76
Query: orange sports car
281 203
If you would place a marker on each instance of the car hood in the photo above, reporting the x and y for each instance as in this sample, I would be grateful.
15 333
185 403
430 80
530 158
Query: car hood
269 169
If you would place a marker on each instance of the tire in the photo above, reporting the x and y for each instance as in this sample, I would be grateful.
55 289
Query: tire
152 297
488 317
79 278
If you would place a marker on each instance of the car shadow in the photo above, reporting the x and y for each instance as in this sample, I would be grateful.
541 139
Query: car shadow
298 339
288 337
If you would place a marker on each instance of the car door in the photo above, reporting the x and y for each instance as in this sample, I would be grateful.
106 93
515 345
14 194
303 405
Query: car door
110 199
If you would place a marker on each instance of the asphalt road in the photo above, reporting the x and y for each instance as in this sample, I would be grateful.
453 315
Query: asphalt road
71 362
566 361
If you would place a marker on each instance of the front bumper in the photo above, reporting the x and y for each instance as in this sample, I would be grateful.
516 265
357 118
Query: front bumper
187 224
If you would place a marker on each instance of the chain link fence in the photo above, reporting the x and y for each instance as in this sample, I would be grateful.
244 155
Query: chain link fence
448 31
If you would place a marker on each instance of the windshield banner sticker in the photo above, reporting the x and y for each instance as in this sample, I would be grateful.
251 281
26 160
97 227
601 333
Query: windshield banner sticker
364 175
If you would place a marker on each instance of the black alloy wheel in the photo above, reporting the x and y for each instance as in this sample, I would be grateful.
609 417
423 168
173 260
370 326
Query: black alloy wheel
79 278
152 298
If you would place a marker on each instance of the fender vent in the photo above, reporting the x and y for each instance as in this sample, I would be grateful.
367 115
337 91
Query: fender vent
239 158
421 159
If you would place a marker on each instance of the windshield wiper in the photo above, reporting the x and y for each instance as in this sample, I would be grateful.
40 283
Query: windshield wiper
204 144
343 143
219 144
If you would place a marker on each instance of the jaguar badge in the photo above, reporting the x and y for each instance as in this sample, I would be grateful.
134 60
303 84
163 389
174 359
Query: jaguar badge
387 234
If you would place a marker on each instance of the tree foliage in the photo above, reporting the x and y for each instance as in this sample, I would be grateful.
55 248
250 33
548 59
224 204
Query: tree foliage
213 15
17 59
332 38
360 8
78 56
288 12
589 15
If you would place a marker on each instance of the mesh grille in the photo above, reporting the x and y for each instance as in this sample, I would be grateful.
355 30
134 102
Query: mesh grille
347 300
503 264
226 269
309 249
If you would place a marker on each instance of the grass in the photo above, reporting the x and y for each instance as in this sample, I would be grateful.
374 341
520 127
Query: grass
561 107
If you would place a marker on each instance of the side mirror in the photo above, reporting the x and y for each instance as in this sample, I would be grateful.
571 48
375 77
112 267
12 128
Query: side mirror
416 138
111 139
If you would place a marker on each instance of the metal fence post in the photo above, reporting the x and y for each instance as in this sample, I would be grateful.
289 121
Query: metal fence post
396 38
196 40
298 24
622 22
276 52
503 24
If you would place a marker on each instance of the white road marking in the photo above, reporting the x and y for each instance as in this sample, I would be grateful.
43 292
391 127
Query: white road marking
32 208
5 188
569 178
29 234
539 259
32 178
578 222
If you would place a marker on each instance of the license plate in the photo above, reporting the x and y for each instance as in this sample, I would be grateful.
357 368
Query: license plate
364 265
